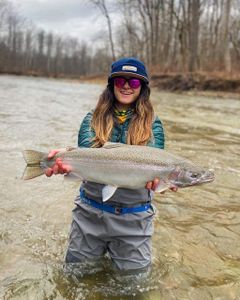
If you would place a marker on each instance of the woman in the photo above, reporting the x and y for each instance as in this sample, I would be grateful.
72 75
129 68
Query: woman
123 114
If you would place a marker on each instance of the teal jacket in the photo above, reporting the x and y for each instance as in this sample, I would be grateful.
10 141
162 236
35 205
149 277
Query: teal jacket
119 133
122 197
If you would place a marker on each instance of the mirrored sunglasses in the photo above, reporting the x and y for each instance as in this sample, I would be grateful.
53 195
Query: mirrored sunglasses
134 83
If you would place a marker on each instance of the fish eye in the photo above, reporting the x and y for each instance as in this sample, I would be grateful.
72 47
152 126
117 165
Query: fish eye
194 175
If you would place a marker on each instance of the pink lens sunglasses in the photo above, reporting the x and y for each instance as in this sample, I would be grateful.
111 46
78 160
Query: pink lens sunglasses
134 83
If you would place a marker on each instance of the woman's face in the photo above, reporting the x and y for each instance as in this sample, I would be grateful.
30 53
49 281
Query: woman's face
125 94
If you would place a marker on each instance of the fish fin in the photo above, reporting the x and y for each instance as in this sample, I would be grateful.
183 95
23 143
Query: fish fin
32 172
163 186
108 191
110 145
33 157
72 177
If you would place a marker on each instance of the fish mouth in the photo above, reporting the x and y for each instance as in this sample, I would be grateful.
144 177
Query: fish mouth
207 177
203 181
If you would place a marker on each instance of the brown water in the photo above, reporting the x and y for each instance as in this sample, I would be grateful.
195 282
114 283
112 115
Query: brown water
196 244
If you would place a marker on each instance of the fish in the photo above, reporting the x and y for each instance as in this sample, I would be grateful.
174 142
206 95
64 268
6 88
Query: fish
117 165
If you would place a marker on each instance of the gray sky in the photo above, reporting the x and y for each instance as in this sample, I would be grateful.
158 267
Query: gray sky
77 18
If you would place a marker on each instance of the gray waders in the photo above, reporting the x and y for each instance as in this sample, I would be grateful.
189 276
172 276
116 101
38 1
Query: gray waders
125 237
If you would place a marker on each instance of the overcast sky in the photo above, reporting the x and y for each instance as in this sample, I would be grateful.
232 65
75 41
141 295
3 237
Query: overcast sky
78 18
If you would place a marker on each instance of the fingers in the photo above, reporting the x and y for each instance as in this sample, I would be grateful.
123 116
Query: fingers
173 188
52 153
152 185
66 168
149 185
58 168
156 182
48 172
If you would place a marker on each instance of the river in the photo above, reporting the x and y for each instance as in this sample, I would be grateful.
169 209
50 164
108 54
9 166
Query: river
196 244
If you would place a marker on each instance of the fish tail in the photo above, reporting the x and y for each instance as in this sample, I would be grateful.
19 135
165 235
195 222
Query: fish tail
33 168
32 172
33 157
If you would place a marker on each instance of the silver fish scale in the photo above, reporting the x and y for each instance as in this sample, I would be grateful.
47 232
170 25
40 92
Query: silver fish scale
132 154
122 166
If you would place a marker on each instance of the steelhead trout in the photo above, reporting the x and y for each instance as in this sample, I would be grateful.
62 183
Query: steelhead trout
120 165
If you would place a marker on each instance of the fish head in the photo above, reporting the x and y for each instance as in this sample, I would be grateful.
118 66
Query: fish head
195 176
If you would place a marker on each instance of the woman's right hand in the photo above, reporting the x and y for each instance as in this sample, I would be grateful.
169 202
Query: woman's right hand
152 185
58 167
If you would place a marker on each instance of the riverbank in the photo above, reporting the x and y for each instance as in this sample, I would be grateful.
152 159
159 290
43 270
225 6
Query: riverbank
183 82
203 83
200 83
196 81
194 84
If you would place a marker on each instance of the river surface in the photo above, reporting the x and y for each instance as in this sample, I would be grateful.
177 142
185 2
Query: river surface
196 244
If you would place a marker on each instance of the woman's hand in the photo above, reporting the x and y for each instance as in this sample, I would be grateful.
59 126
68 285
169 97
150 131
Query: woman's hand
58 167
152 185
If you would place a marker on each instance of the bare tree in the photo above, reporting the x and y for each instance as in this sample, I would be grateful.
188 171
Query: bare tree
49 50
4 13
5 8
28 49
223 47
194 16
171 35
101 4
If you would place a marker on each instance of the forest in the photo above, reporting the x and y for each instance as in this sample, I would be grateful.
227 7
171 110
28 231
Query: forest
172 37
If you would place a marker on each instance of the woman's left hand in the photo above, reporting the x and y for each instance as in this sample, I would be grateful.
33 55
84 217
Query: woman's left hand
59 167
152 185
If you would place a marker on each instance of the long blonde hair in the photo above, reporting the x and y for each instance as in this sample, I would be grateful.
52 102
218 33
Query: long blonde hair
140 127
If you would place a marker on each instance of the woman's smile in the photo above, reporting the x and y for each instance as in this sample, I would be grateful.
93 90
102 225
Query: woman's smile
123 92
126 95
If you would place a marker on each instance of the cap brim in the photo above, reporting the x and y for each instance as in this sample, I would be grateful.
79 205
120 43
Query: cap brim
130 74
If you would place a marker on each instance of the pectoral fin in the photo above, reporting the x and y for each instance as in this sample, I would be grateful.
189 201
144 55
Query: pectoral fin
73 177
108 191
163 186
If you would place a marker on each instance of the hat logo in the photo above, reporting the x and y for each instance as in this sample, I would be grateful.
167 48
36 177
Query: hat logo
129 68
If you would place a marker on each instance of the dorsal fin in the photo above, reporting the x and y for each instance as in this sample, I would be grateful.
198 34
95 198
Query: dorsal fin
110 145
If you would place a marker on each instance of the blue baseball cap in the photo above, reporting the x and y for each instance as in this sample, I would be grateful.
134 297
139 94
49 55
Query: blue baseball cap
129 66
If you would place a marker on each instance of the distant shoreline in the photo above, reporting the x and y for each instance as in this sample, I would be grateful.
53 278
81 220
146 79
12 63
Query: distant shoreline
199 83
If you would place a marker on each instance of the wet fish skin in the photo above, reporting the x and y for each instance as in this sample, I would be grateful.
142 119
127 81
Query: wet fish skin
119 165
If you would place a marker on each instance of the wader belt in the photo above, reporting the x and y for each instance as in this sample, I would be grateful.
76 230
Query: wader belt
112 209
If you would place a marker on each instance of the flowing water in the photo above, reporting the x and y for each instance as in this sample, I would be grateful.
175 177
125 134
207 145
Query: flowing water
196 244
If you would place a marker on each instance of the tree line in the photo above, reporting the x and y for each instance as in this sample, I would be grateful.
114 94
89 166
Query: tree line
26 49
169 35
182 35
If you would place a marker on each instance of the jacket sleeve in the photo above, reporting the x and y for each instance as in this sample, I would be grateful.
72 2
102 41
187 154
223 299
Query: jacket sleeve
157 140
86 133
